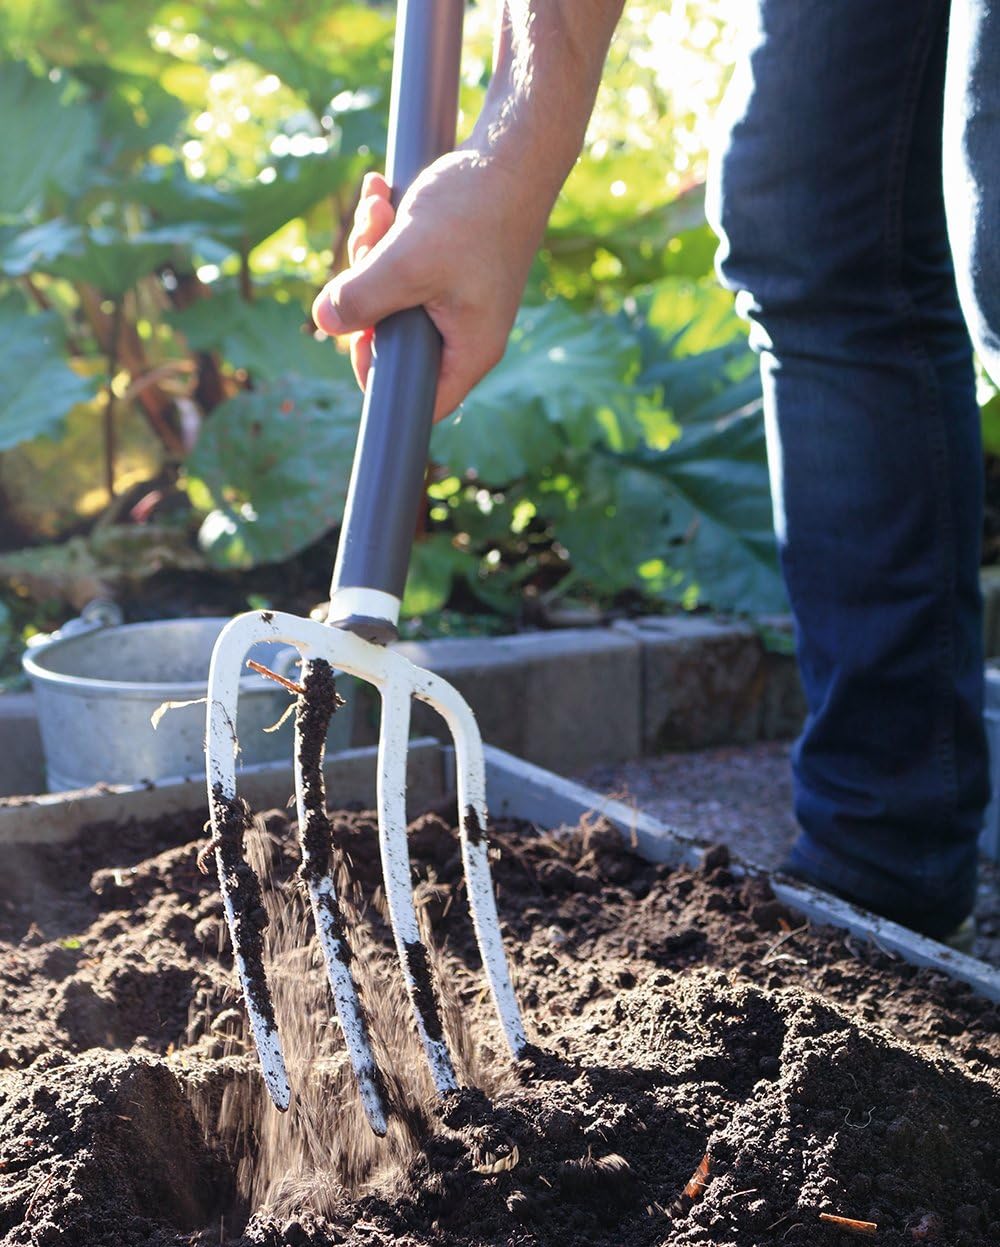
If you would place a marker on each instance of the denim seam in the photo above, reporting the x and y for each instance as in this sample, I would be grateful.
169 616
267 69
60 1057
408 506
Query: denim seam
932 415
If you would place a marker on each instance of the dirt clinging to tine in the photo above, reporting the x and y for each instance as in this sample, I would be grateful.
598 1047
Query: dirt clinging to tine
474 830
232 820
424 996
314 709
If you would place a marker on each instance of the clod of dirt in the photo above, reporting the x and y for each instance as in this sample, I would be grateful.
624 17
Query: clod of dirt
101 1149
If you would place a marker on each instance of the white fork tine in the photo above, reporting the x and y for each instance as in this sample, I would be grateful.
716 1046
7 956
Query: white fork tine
314 828
412 951
470 771
230 820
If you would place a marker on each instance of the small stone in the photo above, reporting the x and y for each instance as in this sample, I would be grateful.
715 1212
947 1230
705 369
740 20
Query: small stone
928 1229
967 1216
557 1125
294 1235
715 858
556 877
519 1205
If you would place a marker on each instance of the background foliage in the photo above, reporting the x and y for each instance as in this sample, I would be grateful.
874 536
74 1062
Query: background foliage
179 182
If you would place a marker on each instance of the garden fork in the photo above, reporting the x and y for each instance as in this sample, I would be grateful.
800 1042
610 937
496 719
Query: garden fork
368 581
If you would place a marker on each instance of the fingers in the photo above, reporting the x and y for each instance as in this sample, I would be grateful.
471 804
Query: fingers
372 221
373 218
361 355
375 288
376 284
375 184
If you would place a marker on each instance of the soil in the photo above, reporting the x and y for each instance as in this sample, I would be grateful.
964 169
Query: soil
742 795
707 1070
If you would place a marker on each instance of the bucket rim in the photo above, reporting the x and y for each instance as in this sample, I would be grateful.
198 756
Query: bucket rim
176 690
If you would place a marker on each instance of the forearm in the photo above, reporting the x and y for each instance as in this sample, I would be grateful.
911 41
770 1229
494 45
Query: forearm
548 64
461 242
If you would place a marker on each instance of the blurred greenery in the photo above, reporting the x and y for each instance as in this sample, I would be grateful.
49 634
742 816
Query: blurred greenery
180 182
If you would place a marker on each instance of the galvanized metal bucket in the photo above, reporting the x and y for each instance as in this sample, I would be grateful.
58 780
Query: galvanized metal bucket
97 686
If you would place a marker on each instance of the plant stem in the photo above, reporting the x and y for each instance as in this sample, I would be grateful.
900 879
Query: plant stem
109 409
246 281
152 400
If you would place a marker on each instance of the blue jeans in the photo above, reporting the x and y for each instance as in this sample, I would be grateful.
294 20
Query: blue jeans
834 230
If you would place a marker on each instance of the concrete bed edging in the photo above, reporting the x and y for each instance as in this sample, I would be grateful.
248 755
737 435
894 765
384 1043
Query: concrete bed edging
514 788
566 699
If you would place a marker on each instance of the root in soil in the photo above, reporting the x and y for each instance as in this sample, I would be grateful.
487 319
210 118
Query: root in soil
708 1072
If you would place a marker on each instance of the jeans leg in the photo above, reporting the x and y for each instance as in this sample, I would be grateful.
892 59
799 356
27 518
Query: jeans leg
972 168
829 208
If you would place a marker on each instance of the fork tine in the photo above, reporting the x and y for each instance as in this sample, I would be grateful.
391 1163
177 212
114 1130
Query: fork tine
395 855
242 902
240 887
470 772
312 717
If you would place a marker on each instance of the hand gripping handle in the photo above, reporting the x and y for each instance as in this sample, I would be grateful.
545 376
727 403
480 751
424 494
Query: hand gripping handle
390 459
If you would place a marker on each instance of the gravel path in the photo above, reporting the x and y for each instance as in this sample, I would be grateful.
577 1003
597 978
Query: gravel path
742 795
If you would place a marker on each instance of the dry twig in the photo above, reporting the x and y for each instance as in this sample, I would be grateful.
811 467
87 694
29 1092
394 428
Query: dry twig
850 1224
292 687
699 1179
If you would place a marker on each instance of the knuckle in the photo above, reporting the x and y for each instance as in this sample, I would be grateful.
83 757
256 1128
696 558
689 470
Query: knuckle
348 304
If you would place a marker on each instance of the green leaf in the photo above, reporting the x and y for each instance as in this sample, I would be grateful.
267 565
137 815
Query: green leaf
274 464
101 256
318 50
678 318
720 537
49 143
115 33
241 217
298 184
622 191
434 563
559 370
174 197
265 337
37 388
616 525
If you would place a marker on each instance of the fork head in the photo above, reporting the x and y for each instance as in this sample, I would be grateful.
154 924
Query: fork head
324 650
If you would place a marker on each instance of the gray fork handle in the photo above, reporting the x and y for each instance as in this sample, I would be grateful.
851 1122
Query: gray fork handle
391 455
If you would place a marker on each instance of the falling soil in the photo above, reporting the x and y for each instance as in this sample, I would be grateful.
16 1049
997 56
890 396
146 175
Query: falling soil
706 1069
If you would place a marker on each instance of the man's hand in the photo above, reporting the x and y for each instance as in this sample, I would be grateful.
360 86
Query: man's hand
460 246
463 239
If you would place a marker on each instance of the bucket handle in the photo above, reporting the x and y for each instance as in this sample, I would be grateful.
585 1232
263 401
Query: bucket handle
98 613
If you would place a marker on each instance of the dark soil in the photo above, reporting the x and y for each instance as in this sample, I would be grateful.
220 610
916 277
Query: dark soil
678 1015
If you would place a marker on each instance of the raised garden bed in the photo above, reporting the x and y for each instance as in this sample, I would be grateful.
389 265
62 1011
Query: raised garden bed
681 1008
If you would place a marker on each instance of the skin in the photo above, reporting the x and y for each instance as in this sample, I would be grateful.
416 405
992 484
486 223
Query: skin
468 228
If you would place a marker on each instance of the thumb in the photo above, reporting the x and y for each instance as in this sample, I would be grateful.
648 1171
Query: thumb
365 294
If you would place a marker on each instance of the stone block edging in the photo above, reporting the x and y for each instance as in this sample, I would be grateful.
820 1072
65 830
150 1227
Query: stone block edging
564 700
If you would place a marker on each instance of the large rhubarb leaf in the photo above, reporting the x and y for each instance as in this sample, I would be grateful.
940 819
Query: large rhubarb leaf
271 467
37 386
